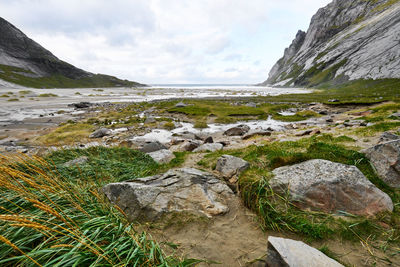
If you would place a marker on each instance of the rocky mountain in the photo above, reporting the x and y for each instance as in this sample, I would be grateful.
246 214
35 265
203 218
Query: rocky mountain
346 41
25 62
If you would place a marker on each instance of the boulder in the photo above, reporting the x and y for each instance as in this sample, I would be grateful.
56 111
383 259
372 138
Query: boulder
149 147
229 166
209 140
387 137
239 130
99 133
209 147
292 253
253 133
78 161
81 105
386 159
181 190
191 145
162 156
330 187
181 105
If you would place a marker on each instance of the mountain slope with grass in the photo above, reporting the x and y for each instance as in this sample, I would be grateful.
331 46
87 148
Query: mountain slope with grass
25 62
347 41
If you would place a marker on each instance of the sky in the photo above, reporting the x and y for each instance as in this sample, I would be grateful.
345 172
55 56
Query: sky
166 41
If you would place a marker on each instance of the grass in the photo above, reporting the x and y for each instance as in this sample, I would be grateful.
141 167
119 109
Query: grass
67 134
277 213
16 75
51 215
47 95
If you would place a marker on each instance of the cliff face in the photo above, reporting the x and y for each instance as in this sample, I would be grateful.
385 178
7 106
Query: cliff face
347 40
25 62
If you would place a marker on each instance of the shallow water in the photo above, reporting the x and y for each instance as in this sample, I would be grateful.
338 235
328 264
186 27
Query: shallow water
165 136
32 106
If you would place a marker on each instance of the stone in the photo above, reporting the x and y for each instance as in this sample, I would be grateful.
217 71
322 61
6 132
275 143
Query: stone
282 252
209 140
100 133
253 133
151 146
181 105
191 145
81 105
330 187
182 190
78 161
309 132
239 130
229 166
209 147
251 104
385 158
150 120
387 136
162 156
395 115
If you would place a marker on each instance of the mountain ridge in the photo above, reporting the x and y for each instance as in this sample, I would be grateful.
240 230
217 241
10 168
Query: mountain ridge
346 41
25 62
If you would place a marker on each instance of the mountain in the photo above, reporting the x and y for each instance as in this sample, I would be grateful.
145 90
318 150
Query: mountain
25 62
347 41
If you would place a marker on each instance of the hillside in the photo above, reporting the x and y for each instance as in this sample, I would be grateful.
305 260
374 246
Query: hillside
25 62
347 41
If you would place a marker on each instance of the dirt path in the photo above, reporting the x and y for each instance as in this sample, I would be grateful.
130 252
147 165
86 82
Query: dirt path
234 239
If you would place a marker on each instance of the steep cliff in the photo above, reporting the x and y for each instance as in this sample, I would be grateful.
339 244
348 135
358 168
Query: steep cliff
25 62
346 41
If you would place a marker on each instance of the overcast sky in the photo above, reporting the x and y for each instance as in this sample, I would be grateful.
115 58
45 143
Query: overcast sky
166 41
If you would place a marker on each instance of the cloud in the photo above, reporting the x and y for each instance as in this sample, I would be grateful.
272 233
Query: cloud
158 41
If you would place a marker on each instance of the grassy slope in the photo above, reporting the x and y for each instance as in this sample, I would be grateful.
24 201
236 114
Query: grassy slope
15 75
52 215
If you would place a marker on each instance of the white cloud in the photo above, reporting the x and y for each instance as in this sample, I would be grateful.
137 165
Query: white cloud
159 41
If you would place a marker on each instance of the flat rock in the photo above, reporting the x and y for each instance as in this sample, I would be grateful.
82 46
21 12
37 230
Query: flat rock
253 133
181 105
182 190
239 130
99 133
386 159
149 147
284 252
330 187
387 137
229 166
209 147
162 156
77 161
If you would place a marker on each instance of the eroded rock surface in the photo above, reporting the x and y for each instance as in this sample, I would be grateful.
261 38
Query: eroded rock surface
162 156
182 190
229 166
239 130
330 187
100 133
386 159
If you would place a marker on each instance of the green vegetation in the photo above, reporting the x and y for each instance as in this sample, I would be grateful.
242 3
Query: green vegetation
53 215
47 95
16 75
279 214
13 100
67 134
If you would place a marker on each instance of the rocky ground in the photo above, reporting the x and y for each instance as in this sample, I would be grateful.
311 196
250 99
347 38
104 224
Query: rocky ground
215 225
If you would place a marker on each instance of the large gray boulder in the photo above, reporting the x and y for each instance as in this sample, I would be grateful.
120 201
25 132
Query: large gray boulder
386 159
182 190
239 130
229 166
291 253
330 187
163 156
387 137
99 133
150 146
